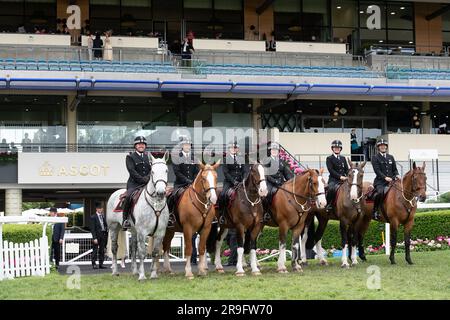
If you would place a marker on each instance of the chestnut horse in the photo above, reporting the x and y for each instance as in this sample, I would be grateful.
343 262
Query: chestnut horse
246 215
348 211
196 212
398 208
290 208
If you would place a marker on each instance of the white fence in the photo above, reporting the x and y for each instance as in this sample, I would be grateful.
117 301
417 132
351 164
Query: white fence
77 249
25 259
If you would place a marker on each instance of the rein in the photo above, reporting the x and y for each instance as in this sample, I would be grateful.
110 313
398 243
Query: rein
147 194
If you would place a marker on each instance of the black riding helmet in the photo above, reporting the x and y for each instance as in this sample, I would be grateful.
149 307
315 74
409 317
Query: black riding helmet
140 139
381 142
336 144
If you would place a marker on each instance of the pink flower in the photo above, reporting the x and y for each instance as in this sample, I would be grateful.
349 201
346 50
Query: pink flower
227 252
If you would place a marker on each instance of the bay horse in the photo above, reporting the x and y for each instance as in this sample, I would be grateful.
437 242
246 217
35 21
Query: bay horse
399 207
245 214
151 216
289 210
348 210
196 212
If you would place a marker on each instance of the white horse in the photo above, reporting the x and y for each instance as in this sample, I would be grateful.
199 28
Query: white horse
151 217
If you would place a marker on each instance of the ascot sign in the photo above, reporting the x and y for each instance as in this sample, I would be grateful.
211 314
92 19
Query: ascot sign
74 20
71 168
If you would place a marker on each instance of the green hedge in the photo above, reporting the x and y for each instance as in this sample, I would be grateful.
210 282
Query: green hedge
426 225
18 233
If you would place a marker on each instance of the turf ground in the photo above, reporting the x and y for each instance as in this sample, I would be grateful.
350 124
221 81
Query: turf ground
428 278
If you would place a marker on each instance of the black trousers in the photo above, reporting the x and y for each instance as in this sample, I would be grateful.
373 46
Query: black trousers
99 248
194 249
56 249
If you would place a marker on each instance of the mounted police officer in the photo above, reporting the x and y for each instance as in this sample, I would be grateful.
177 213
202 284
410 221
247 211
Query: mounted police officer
338 168
185 170
278 170
139 168
234 170
386 171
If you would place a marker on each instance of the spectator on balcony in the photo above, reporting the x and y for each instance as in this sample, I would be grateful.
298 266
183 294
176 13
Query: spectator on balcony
252 33
13 148
354 145
26 141
21 29
442 129
186 52
4 146
97 47
90 45
108 50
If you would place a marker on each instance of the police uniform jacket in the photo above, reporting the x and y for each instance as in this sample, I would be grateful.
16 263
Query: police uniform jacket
282 174
234 171
186 171
383 167
139 168
337 167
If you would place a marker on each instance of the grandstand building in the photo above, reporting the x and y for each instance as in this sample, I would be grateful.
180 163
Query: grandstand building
307 70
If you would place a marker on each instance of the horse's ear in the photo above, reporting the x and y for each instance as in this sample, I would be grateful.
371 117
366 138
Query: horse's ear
216 165
321 171
423 166
166 156
350 163
414 165
201 165
152 159
363 164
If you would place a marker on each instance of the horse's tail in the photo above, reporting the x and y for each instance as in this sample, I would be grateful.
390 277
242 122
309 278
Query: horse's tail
247 242
212 238
310 242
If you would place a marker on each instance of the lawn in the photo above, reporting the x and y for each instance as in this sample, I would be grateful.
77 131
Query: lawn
428 278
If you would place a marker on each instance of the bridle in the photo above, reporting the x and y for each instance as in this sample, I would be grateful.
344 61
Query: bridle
147 194
257 184
312 197
359 187
413 201
205 190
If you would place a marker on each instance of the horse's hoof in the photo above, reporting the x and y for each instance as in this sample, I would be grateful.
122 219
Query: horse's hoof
282 271
191 277
345 266
354 263
203 274
256 273
298 270
142 279
220 270
323 262
240 274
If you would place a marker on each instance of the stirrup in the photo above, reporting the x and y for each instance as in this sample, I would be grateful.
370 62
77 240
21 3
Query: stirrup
267 217
376 216
171 221
126 224
222 219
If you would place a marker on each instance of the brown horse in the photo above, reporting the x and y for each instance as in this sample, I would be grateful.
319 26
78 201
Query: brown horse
398 208
246 215
290 208
347 211
196 212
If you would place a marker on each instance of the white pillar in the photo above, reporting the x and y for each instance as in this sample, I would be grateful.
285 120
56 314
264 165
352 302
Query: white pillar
13 202
387 240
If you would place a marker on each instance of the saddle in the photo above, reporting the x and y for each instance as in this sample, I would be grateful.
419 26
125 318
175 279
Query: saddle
336 195
134 198
371 192
174 202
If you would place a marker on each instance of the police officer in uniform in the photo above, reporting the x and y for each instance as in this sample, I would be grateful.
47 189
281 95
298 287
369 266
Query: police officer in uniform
385 169
281 174
185 170
234 171
338 168
139 168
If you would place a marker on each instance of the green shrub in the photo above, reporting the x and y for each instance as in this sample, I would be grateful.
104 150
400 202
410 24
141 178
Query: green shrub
426 225
21 233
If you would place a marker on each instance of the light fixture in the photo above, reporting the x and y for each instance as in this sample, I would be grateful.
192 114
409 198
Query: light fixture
361 11
343 111
380 41
335 114
417 123
338 7
336 109
411 42
402 8
392 13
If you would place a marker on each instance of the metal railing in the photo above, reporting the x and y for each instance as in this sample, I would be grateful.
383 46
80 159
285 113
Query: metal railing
48 54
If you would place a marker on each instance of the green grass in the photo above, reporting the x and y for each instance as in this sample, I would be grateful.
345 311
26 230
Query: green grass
428 278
